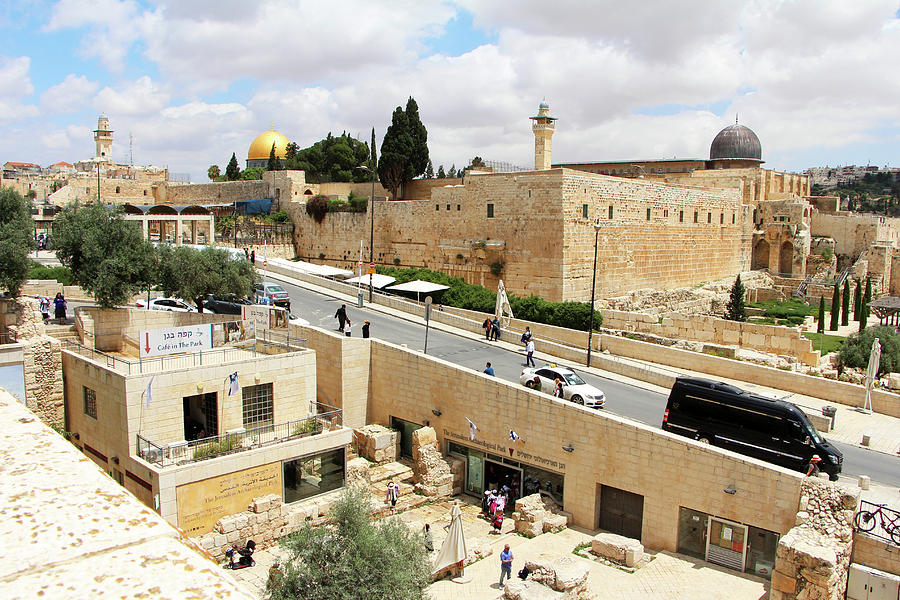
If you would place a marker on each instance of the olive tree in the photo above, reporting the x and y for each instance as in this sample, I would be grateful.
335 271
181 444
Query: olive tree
16 240
192 274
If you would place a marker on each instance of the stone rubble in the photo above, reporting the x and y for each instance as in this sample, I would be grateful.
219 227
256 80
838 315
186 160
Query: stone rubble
535 515
619 549
432 472
378 443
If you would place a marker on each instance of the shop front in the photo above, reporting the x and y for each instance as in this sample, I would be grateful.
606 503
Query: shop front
734 545
487 471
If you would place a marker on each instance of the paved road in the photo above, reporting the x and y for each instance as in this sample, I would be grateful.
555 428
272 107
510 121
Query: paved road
622 399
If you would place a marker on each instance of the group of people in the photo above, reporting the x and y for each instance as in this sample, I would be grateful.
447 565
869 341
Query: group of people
493 505
344 322
491 329
250 255
59 307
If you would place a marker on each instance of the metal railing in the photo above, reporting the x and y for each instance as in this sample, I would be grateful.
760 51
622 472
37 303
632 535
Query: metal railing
265 343
184 452
878 520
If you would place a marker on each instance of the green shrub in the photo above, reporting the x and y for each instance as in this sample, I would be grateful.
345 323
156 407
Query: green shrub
280 216
358 203
856 350
61 274
496 268
210 449
338 205
307 427
317 208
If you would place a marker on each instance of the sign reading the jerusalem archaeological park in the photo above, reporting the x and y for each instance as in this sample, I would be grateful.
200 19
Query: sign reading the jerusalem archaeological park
202 503
173 340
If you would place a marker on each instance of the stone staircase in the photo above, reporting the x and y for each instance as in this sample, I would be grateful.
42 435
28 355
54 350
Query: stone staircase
62 332
401 473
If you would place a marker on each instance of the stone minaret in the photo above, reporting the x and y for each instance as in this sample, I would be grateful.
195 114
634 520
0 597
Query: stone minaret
103 137
543 127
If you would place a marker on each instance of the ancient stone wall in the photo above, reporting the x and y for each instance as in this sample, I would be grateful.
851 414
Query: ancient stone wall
420 189
854 233
262 522
42 361
813 559
538 239
432 472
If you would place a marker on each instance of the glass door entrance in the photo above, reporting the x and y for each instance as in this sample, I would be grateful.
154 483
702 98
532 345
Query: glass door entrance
726 543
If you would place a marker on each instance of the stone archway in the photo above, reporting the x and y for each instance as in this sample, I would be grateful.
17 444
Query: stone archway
760 258
786 258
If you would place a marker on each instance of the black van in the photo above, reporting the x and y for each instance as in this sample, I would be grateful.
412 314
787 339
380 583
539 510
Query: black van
726 416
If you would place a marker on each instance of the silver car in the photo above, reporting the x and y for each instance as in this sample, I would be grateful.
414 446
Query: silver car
575 389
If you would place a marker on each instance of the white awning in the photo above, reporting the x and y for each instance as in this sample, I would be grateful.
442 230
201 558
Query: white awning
308 267
378 280
418 286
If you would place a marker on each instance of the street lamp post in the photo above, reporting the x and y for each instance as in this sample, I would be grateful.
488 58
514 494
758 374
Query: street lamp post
98 180
372 224
593 288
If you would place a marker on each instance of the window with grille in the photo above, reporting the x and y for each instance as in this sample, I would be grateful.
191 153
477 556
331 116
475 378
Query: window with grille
90 403
490 211
258 410
584 211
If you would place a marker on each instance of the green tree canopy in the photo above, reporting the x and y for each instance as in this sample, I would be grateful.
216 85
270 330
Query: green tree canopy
429 170
736 310
856 350
252 173
418 157
274 163
332 159
232 171
845 303
835 307
16 240
192 274
404 150
213 172
441 174
354 558
107 254
820 326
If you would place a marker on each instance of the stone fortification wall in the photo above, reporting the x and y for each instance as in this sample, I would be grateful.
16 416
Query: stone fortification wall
813 559
691 235
420 189
608 450
41 358
132 191
538 240
854 233
224 192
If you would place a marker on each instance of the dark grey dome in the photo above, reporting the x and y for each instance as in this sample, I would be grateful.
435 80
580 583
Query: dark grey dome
736 142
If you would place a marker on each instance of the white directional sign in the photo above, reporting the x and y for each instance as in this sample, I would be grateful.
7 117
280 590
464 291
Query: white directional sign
157 342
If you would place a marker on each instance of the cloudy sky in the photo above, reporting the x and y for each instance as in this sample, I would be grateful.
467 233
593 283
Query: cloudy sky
194 80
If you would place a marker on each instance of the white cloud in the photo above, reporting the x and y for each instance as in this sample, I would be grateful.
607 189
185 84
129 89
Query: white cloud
70 95
15 86
140 97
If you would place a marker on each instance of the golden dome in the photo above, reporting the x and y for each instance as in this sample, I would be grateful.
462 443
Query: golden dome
262 146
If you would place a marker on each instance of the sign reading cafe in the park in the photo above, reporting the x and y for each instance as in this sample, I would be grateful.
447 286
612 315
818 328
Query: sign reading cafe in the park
173 340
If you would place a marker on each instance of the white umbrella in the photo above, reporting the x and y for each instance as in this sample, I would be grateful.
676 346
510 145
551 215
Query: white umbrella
502 310
453 550
378 280
874 362
418 286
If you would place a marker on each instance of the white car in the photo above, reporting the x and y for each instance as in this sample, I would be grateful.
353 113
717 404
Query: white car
169 304
575 389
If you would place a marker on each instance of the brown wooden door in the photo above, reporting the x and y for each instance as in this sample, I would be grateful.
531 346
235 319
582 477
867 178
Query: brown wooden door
621 512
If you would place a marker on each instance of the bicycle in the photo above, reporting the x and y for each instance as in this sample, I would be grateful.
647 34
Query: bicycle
865 521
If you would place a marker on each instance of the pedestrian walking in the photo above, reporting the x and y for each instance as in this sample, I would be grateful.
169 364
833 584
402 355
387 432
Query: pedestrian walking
429 539
365 329
495 329
526 335
486 502
59 304
529 353
45 307
487 329
247 253
253 256
497 525
488 369
393 492
341 316
506 560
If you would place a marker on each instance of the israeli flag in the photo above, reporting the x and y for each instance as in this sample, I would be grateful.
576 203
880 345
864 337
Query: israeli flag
233 385
148 393
513 436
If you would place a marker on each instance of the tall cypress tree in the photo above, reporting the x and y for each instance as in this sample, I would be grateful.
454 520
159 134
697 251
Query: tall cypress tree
845 303
395 153
418 157
736 310
373 155
429 170
864 309
857 300
274 164
821 325
232 171
835 307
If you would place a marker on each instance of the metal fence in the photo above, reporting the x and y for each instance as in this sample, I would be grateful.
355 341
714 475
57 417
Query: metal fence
326 418
878 520
266 342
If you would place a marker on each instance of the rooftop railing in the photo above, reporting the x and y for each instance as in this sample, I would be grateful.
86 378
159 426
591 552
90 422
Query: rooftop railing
266 343
327 418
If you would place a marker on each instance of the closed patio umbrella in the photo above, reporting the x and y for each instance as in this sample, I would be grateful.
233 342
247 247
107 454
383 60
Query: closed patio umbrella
453 550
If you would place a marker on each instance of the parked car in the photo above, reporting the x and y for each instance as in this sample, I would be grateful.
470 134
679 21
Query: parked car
224 305
274 293
169 304
575 389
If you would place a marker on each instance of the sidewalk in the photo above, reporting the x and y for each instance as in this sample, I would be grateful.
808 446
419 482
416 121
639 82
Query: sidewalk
850 425
669 576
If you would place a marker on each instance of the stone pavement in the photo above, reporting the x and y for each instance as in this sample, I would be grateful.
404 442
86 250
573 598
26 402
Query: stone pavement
668 576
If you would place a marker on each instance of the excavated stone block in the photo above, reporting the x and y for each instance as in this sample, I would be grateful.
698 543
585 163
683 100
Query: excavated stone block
615 547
